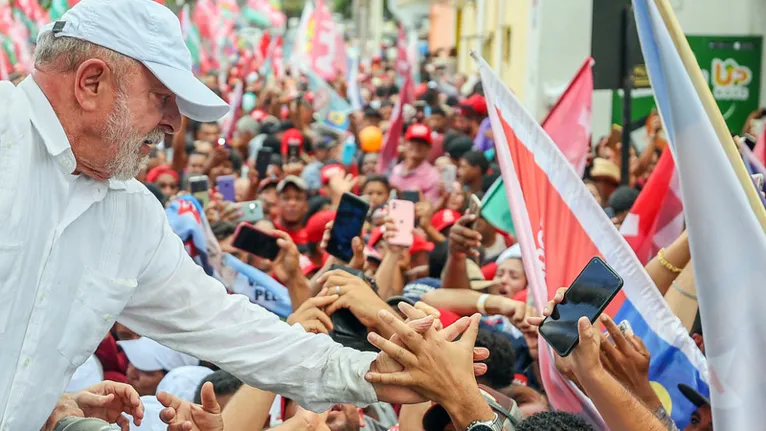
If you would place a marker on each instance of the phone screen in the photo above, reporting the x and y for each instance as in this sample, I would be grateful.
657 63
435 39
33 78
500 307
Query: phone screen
410 195
588 295
198 186
263 161
349 221
254 241
293 153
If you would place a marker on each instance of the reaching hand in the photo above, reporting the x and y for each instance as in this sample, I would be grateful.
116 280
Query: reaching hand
65 407
548 309
514 310
311 316
354 294
424 210
287 262
108 400
432 366
586 358
462 239
182 415
628 361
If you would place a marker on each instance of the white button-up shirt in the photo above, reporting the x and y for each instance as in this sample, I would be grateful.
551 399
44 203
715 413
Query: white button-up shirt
77 254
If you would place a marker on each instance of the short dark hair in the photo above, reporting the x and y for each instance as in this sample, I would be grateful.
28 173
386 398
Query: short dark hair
477 158
437 110
223 384
377 179
236 161
554 421
501 361
223 229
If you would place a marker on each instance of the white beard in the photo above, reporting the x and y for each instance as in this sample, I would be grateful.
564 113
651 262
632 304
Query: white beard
129 160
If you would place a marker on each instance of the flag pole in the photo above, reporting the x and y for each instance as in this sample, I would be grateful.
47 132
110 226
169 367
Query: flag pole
711 108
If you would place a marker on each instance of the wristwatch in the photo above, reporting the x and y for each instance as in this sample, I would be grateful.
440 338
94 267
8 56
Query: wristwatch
494 425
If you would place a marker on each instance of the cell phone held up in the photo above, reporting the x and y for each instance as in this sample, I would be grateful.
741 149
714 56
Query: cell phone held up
474 208
255 241
403 214
589 295
199 186
348 223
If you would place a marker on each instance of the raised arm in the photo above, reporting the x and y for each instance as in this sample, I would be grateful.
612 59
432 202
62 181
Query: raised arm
463 242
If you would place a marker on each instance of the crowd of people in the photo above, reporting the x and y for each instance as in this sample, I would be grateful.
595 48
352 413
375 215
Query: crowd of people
449 317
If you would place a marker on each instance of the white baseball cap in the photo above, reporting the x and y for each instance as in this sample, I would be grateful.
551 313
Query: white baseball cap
150 33
183 381
148 355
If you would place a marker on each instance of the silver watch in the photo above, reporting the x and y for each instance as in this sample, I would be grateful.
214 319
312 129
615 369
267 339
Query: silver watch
495 424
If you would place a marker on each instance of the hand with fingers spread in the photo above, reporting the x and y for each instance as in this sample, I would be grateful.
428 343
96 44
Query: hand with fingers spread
311 315
354 294
434 367
628 361
462 239
181 415
108 400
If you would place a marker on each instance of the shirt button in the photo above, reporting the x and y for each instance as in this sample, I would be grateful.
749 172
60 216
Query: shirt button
26 362
42 297
107 316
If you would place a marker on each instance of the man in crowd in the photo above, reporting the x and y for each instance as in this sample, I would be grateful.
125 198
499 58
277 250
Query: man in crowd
150 362
292 204
414 172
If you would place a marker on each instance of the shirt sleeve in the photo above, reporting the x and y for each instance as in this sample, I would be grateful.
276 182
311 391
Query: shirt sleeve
178 305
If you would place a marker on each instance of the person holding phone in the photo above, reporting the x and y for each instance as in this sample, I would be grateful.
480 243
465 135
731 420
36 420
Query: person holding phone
414 172
292 205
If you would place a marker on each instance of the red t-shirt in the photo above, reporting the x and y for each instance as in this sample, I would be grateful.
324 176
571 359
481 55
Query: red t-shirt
299 237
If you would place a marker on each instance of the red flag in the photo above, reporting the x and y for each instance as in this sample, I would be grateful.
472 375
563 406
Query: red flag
760 148
324 43
390 148
568 123
402 62
656 218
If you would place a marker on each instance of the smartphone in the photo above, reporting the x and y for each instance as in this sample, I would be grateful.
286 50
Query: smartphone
226 187
474 207
625 328
403 213
263 161
411 195
252 211
588 295
449 175
199 188
349 221
255 241
222 143
293 153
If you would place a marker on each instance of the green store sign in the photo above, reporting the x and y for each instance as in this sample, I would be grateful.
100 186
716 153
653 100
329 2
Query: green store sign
732 69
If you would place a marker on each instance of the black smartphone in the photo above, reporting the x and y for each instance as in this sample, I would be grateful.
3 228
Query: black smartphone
588 295
263 161
349 221
255 241
410 195
293 153
198 186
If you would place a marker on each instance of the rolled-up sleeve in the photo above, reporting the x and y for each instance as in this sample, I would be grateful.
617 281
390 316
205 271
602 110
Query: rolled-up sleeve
178 305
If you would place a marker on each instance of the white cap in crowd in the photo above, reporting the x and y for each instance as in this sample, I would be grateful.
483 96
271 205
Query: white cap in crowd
88 374
183 381
150 33
151 420
148 355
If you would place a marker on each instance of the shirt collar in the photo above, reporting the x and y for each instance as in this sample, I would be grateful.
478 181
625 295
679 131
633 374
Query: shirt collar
48 125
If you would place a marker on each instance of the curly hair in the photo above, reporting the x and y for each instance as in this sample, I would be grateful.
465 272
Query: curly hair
501 361
554 421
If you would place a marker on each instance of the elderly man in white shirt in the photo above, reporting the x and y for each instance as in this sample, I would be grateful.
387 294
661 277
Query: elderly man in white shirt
83 243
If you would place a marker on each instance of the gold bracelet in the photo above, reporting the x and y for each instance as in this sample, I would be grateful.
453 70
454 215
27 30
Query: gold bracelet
669 266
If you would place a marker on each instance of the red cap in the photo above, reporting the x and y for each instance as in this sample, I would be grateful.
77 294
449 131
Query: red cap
161 170
420 90
489 270
420 132
258 114
475 104
292 137
316 224
375 236
444 219
330 171
306 265
421 244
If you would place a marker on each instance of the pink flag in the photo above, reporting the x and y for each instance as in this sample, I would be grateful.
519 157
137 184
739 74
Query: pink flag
33 11
390 148
402 62
656 218
324 43
205 16
568 123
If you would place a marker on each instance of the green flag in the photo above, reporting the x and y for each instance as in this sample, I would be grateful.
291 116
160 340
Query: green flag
57 8
494 208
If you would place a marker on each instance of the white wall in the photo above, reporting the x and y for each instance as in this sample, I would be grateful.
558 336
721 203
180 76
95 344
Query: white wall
565 41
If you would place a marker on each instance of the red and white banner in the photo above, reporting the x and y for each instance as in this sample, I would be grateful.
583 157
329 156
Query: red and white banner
402 59
568 122
560 228
656 218
320 41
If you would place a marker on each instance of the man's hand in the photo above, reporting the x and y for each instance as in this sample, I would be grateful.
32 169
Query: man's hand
354 294
286 264
340 184
357 245
108 400
462 239
628 361
514 310
65 407
424 210
182 415
311 316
